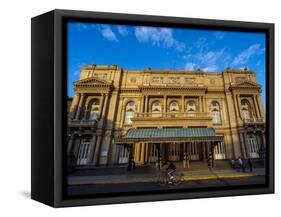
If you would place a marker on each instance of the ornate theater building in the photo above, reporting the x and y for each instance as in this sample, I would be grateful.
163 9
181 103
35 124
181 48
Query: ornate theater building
154 116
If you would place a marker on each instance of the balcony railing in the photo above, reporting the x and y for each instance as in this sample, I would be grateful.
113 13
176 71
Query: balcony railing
253 120
82 123
173 115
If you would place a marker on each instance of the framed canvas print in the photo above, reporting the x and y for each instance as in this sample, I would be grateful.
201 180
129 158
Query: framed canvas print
134 108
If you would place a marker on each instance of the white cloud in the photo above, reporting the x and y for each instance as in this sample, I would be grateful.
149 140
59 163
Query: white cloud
211 59
190 66
208 60
245 55
201 44
158 37
107 33
122 30
210 68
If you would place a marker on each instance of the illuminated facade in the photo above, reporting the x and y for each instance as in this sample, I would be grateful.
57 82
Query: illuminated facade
109 102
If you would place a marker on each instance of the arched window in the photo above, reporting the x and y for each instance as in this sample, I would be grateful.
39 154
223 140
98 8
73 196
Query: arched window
215 111
130 112
94 110
174 106
191 106
245 107
156 109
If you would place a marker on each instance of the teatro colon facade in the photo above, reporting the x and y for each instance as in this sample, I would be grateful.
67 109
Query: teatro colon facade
120 116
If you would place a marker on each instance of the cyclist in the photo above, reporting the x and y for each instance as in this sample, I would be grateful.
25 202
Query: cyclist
170 170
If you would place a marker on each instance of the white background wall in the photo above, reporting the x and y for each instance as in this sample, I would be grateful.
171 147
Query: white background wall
15 106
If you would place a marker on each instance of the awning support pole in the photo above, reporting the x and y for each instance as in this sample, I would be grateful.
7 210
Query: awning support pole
131 164
158 156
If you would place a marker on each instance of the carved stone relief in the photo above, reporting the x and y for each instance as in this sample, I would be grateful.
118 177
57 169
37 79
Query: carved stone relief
157 80
133 80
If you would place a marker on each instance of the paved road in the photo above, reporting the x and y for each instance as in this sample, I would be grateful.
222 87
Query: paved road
149 186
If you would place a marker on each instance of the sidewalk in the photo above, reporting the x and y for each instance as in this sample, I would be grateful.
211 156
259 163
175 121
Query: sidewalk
152 177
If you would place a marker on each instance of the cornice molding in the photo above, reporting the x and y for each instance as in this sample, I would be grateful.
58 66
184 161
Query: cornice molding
93 81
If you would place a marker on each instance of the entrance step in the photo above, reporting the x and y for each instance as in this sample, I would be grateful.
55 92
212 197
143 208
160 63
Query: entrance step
203 165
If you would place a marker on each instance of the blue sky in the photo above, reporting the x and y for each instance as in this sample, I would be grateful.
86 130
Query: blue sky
138 47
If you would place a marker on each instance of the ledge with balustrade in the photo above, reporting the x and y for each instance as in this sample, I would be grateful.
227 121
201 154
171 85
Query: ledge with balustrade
82 123
254 120
173 115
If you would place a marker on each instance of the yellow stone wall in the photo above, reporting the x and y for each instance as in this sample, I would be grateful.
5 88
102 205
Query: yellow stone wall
115 87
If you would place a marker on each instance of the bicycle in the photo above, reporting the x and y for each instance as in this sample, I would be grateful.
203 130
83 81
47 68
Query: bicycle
165 179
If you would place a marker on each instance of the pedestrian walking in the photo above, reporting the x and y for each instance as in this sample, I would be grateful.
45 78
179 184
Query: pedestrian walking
187 160
240 163
250 164
184 160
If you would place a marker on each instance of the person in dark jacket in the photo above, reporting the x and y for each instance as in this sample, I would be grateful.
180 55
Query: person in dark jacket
250 164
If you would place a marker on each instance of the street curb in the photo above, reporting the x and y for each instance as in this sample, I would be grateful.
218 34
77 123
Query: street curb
153 180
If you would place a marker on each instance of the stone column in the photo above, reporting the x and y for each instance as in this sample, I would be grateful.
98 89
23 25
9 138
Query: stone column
146 104
165 104
137 152
182 104
256 106
104 110
260 105
142 104
80 106
105 105
242 144
123 107
204 104
86 112
92 149
101 104
236 107
238 104
200 103
74 105
246 144
119 113
146 152
142 153
224 112
97 151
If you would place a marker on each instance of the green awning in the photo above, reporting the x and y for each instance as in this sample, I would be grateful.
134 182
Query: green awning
169 135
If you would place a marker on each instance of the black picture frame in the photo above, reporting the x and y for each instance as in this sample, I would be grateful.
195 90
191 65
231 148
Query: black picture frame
48 41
